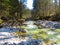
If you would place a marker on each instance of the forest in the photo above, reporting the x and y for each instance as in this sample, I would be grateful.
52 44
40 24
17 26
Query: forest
15 10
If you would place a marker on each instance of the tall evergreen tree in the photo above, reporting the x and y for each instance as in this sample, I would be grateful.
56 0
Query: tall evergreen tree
4 7
36 9
16 7
39 9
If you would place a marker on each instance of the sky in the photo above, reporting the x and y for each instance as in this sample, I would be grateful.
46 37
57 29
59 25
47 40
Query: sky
30 4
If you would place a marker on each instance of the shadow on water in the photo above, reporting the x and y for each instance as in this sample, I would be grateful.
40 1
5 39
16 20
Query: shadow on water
8 30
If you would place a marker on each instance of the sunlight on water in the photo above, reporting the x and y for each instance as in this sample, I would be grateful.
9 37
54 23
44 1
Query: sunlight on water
31 26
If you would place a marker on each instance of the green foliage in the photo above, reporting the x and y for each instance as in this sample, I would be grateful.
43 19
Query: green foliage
39 8
45 8
1 20
15 10
11 9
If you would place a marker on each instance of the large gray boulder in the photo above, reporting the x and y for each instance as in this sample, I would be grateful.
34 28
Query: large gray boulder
50 24
57 25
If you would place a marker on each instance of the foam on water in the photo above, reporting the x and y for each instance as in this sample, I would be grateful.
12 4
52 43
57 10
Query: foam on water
6 36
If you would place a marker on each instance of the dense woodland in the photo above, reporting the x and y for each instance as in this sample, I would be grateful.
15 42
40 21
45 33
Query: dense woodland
16 10
48 9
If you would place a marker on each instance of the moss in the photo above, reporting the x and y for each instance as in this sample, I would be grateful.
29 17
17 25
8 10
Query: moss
1 20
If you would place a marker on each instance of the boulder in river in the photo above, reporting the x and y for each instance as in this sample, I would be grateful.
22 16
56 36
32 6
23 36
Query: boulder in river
1 26
23 30
57 25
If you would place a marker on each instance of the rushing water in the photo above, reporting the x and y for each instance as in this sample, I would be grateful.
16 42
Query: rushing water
6 35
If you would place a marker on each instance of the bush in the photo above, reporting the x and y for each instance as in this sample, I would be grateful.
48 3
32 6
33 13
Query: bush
1 20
